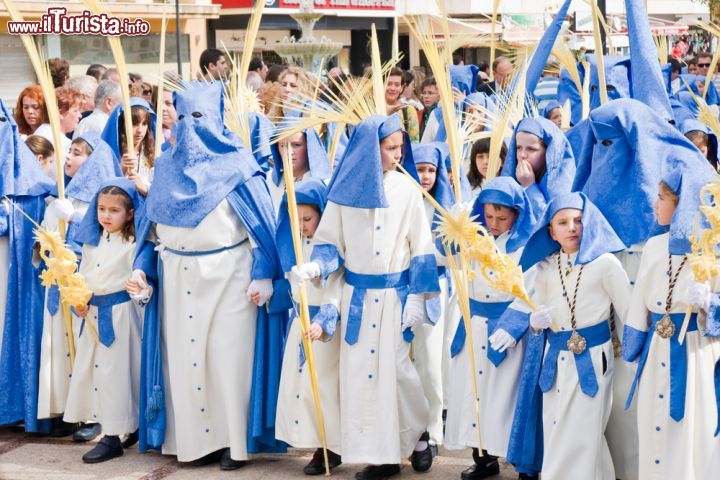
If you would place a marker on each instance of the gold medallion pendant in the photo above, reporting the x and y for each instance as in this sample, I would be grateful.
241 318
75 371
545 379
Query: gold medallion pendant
665 327
577 343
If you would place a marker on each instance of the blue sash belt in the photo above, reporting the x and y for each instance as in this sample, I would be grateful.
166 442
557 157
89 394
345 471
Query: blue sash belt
490 310
362 283
104 304
433 309
594 336
53 299
313 309
205 252
678 362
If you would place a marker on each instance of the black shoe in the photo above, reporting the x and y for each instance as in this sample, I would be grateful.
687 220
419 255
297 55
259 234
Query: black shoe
63 429
87 432
106 449
317 464
227 463
208 459
377 472
481 471
131 440
422 461
525 476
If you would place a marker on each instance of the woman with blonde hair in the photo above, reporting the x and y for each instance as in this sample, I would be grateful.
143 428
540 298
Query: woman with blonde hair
293 82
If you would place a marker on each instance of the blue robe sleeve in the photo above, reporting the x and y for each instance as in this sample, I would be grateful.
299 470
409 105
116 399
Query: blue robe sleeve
536 197
327 317
633 343
424 274
712 328
514 322
252 204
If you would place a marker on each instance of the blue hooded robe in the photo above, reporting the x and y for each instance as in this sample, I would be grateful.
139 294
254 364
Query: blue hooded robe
23 180
206 165
113 127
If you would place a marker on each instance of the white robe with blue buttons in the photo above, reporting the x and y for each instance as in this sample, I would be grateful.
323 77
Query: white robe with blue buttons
497 386
296 419
208 336
55 367
382 404
574 423
668 449
105 385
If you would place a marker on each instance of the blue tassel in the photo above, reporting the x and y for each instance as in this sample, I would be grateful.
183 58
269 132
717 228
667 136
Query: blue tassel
155 403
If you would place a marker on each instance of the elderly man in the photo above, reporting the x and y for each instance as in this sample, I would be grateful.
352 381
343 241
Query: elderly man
502 69
86 85
107 95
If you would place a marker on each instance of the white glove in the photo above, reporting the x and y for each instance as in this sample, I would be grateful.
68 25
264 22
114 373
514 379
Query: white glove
501 340
459 208
308 271
263 288
63 209
146 292
541 319
414 312
698 295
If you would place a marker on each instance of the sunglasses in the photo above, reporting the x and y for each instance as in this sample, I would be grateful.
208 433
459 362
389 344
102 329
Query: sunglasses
147 92
703 65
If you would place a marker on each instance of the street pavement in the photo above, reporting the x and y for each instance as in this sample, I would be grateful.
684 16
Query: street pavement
29 457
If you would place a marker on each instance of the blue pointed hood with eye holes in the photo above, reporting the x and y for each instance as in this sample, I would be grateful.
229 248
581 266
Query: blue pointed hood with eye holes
204 165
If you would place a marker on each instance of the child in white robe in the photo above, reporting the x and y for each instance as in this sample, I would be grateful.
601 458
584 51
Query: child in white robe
577 282
87 165
106 373
375 224
504 209
296 420
676 384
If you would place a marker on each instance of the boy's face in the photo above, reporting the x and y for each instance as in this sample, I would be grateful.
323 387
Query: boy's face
664 208
566 229
555 116
391 150
75 158
498 218
429 96
427 172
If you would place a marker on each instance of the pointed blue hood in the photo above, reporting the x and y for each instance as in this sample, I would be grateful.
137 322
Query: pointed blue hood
204 165
620 166
111 133
544 47
464 77
567 90
261 132
358 179
507 192
100 166
20 171
311 191
598 237
316 155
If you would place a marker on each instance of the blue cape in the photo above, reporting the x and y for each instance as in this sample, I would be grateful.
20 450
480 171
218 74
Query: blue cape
559 161
620 162
205 164
507 192
111 133
311 191
26 183
435 154
598 237
464 77
567 90
100 166
358 179
692 125
316 155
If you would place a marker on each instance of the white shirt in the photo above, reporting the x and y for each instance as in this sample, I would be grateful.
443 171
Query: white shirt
95 122
45 131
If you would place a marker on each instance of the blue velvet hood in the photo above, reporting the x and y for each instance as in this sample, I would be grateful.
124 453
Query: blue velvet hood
100 166
464 77
435 153
111 133
204 165
316 154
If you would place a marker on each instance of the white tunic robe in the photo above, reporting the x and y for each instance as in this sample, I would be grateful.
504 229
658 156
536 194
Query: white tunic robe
670 449
55 367
296 420
208 337
105 385
573 422
382 405
497 386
